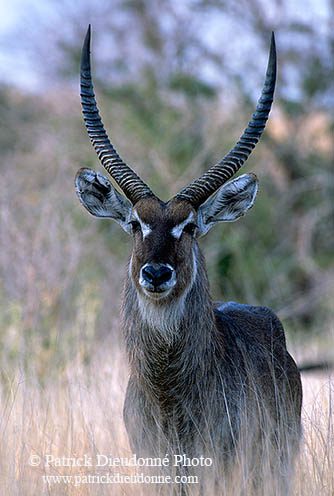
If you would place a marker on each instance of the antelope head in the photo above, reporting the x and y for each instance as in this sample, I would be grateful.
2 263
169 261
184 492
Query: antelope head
164 233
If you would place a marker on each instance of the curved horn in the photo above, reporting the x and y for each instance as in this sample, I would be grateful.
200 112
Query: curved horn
197 192
133 187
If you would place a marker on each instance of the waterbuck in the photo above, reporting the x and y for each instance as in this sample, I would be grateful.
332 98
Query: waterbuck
205 378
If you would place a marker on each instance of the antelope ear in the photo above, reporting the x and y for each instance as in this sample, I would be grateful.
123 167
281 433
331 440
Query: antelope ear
231 201
101 199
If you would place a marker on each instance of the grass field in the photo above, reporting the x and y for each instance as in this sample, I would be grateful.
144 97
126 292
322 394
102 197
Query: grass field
80 413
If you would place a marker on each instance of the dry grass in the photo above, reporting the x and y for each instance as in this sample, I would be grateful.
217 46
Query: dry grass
315 468
81 413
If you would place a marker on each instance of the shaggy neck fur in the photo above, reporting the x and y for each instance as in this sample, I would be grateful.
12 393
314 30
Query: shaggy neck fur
170 346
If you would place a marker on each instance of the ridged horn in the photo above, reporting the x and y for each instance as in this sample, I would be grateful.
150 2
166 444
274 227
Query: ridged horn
133 187
200 190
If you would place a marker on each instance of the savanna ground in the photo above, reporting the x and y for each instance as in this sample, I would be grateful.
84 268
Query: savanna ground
176 83
80 412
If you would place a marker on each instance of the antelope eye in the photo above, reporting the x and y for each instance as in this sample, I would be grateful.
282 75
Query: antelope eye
135 226
190 228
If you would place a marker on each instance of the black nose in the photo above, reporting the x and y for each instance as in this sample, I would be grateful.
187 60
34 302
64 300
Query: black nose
156 277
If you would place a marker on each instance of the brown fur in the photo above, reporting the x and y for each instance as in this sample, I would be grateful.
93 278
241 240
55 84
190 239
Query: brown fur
191 389
160 246
205 379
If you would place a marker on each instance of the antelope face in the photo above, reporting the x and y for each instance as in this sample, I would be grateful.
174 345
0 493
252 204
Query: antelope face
162 261
164 255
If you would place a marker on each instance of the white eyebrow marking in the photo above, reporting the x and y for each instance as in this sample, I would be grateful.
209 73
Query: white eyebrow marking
178 229
145 228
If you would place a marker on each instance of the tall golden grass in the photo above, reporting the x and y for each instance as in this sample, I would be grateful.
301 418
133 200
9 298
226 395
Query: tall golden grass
80 412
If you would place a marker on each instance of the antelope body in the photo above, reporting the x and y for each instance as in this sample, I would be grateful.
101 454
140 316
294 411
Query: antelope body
198 368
